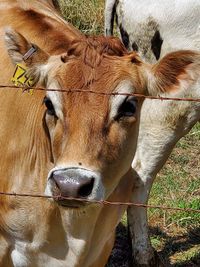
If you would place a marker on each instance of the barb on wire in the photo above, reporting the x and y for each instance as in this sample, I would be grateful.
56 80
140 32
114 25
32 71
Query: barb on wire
99 93
102 202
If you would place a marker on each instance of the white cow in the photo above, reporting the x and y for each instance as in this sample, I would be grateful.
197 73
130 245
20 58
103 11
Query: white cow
153 28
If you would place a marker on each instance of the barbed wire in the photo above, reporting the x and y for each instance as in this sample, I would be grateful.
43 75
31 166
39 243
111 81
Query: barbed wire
24 89
102 202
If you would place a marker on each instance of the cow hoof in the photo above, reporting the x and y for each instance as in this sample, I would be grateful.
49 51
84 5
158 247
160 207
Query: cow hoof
154 262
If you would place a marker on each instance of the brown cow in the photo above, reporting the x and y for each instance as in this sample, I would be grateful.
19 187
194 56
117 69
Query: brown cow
78 145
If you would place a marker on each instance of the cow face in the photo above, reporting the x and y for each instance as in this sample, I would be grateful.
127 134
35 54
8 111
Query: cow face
93 135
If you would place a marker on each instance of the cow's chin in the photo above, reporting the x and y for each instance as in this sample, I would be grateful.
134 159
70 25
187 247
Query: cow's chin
71 204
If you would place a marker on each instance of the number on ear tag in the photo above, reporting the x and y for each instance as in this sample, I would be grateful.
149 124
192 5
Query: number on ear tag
20 77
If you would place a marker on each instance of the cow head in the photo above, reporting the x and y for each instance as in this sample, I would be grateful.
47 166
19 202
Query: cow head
93 136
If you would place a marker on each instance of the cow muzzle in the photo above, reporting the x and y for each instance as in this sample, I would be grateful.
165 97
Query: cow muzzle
75 187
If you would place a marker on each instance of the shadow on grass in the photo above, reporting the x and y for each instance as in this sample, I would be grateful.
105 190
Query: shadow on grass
121 254
179 244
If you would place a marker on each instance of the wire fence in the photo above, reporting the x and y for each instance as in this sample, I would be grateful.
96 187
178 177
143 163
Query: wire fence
25 89
100 202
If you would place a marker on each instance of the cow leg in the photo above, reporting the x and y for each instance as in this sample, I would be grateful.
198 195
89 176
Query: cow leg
160 129
143 253
152 152
146 165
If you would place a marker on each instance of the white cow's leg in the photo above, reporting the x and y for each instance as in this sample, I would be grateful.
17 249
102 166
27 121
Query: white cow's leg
109 16
160 130
153 151
143 253
144 173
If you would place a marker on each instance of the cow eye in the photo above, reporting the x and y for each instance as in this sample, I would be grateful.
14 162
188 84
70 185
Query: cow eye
128 108
49 106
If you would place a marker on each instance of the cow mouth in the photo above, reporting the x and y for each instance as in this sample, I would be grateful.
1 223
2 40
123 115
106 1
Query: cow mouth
68 203
73 204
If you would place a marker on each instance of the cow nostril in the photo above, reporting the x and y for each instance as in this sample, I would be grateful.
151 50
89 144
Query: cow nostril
57 186
86 189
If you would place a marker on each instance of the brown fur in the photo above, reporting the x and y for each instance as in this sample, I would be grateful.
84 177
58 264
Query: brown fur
173 69
34 142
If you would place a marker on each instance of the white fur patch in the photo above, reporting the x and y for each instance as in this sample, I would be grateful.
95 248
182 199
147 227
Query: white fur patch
19 259
56 98
125 87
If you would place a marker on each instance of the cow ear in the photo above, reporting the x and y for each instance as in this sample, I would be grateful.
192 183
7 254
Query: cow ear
17 46
22 51
175 72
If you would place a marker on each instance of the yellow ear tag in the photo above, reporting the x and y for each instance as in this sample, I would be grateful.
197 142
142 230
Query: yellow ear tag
20 78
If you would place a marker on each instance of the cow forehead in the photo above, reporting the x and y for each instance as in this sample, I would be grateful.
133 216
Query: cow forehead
92 82
104 77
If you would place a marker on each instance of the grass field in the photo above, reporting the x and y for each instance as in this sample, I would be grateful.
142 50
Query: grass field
175 235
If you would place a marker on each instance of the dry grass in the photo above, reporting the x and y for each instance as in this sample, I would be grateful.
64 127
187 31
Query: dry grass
84 14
